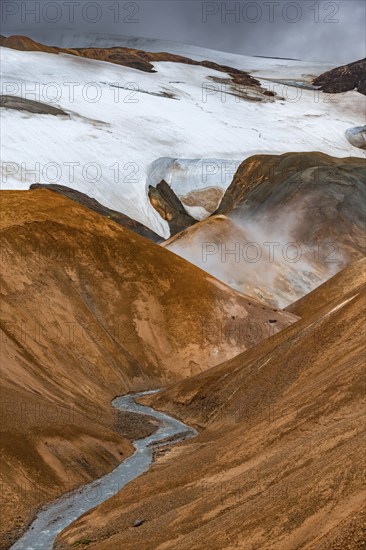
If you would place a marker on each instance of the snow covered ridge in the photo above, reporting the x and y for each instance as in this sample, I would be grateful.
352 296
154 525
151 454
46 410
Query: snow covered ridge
257 66
119 121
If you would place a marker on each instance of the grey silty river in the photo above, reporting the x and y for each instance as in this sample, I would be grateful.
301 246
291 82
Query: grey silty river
55 517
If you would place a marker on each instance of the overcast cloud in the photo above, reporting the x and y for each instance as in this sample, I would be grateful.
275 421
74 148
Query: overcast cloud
304 29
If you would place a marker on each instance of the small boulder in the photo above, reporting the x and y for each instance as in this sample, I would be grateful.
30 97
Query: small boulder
357 136
138 522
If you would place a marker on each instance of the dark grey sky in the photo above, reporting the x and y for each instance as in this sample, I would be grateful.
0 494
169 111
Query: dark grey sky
307 29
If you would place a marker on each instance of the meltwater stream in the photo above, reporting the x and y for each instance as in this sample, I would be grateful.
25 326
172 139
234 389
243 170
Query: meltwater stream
53 518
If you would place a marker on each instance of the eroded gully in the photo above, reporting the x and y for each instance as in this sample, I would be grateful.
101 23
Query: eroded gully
55 517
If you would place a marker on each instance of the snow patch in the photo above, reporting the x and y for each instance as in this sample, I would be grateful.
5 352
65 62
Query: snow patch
186 175
197 212
114 133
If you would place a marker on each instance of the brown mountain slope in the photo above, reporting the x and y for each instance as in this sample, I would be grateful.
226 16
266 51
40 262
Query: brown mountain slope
314 206
344 79
95 206
89 311
280 463
50 443
346 284
317 307
273 170
132 298
290 227
23 43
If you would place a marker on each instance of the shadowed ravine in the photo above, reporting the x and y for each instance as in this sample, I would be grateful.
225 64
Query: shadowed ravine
57 516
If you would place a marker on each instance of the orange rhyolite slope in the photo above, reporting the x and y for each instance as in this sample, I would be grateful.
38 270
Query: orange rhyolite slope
281 460
89 311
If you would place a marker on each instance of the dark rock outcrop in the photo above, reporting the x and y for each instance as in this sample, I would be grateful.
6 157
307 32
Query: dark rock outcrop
166 202
344 79
30 106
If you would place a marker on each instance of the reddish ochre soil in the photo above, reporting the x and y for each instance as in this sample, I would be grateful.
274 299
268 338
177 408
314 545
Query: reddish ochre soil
95 206
91 310
280 460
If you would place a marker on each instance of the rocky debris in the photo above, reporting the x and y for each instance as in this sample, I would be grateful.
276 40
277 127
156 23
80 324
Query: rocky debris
207 199
344 79
30 106
138 522
95 206
164 446
170 208
134 426
350 534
